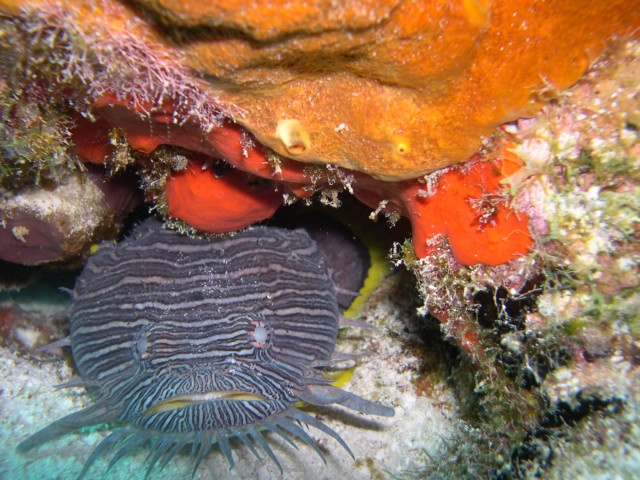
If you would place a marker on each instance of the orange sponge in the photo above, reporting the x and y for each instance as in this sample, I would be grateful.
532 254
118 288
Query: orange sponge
219 203
468 206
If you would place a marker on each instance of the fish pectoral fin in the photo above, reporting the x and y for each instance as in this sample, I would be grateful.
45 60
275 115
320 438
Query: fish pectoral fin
180 401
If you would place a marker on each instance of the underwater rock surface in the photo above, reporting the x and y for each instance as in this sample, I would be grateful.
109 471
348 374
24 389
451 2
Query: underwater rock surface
249 116
395 89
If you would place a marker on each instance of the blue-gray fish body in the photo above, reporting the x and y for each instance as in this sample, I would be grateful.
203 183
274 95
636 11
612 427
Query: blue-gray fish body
188 340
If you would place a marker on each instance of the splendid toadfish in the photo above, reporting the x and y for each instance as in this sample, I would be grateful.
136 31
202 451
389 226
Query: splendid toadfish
195 341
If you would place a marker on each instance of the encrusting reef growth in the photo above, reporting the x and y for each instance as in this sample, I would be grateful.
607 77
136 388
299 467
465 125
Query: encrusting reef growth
554 334
506 133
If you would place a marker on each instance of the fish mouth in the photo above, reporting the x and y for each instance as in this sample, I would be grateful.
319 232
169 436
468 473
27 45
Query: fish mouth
181 401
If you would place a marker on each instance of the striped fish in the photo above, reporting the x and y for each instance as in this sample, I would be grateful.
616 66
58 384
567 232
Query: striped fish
194 341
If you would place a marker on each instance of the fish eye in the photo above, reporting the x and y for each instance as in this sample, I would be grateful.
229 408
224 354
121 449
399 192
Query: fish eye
142 343
259 333
141 346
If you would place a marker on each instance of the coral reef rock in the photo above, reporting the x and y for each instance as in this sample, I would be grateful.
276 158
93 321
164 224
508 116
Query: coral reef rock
240 108
394 89
59 224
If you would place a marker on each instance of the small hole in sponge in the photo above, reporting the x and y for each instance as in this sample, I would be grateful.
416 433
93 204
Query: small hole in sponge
294 136
401 144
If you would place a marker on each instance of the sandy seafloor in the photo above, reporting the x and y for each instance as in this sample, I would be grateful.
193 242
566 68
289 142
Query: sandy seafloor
383 447
420 441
